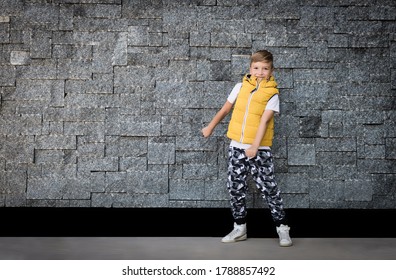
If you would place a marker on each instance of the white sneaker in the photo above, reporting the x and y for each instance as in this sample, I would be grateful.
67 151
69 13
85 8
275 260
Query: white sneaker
284 238
237 234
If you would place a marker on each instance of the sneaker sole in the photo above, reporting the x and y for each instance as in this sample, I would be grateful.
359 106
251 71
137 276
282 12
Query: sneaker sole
241 238
286 244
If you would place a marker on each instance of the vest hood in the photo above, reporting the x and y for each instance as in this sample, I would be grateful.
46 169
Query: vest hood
271 83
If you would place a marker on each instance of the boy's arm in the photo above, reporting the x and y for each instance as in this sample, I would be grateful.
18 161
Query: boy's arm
207 130
265 118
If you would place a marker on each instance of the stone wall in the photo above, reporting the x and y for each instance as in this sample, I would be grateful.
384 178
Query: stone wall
102 101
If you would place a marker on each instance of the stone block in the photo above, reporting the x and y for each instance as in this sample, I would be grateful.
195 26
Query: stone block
301 154
187 190
196 143
40 90
161 151
223 40
7 75
390 148
346 144
65 169
376 166
310 126
287 57
100 83
216 93
280 9
199 171
140 126
276 34
62 51
45 188
138 35
13 182
73 98
79 203
126 146
98 10
88 164
358 190
142 9
77 114
4 19
325 194
220 71
17 149
172 94
40 46
90 149
100 24
124 200
347 172
21 125
293 183
317 16
173 126
179 49
120 56
78 188
200 39
4 32
373 134
49 156
287 126
20 58
373 151
337 41
129 77
133 164
185 157
54 142
78 70
216 190
16 200
318 52
337 158
240 65
293 201
147 182
284 78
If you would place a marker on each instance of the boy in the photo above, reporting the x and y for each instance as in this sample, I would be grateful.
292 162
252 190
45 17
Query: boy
251 131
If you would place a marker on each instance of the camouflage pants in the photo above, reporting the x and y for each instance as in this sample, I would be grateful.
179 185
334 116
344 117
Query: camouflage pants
262 169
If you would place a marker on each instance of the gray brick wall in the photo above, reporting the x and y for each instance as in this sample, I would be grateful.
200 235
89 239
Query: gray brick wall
102 101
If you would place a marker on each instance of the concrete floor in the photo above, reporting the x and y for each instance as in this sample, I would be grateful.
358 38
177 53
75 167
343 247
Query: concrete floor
193 248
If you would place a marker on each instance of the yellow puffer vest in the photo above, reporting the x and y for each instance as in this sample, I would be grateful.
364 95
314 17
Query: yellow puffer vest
249 107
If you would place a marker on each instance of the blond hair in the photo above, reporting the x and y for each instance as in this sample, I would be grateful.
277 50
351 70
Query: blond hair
262 55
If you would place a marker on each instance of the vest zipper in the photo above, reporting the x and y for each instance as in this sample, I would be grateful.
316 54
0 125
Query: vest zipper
246 111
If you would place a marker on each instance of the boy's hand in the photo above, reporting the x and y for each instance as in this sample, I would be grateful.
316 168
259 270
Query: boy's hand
251 152
206 131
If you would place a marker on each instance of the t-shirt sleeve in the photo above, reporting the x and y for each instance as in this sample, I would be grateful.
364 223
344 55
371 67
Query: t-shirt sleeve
273 104
234 93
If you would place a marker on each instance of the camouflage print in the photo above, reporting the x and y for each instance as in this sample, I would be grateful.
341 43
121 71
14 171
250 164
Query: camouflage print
262 169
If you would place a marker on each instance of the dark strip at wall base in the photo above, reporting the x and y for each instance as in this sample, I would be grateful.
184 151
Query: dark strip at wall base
148 222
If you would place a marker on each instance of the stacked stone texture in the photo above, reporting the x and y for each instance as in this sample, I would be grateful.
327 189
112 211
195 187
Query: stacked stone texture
102 101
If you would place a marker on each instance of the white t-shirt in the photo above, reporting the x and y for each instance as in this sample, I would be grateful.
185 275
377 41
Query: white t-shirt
273 104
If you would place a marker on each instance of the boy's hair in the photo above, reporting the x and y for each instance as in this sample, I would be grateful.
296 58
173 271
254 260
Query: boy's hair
262 55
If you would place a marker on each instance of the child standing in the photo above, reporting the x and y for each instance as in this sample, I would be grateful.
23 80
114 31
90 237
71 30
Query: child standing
251 130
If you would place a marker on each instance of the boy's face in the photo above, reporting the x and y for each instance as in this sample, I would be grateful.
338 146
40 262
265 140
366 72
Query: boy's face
261 70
